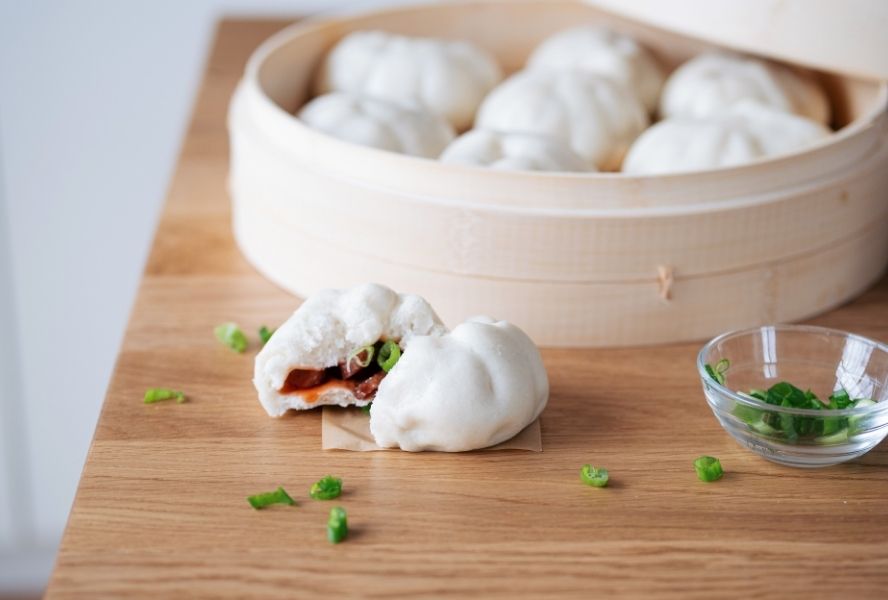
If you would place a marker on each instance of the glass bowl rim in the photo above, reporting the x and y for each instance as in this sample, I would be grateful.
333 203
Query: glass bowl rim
878 407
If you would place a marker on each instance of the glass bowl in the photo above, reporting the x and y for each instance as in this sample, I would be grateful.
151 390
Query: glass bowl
816 359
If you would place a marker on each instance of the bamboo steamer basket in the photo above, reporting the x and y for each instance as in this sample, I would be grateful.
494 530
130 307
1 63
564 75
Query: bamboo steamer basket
599 259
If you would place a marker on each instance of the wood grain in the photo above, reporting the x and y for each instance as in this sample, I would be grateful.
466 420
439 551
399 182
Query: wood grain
161 510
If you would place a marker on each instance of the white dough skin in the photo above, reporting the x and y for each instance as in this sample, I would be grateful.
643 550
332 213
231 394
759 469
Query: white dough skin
379 124
711 82
447 77
605 52
740 134
596 117
326 329
476 387
512 152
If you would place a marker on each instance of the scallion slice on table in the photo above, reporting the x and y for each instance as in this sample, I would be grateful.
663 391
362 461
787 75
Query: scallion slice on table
279 496
231 335
326 488
708 468
594 476
153 395
337 525
389 354
265 334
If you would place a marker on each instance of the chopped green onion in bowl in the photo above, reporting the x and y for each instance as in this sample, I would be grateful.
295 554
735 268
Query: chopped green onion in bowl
279 496
789 427
389 354
326 488
718 371
594 476
708 468
762 406
153 395
337 525
231 335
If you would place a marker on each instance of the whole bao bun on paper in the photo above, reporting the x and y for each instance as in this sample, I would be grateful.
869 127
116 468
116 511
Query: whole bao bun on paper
474 387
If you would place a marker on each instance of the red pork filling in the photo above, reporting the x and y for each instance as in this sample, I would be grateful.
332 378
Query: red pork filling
359 373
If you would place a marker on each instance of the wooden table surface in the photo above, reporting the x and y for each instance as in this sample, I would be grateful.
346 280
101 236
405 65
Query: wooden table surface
161 510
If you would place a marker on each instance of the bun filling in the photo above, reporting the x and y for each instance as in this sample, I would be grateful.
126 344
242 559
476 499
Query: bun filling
360 373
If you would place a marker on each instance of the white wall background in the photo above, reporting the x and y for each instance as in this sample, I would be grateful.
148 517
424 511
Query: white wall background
94 99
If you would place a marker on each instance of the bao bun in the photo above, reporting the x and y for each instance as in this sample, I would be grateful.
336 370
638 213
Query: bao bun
713 81
378 124
598 118
474 387
326 329
512 152
446 77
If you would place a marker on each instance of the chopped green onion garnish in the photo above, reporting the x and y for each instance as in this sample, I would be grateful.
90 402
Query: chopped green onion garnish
717 373
839 400
594 476
231 335
840 436
708 468
832 425
265 334
389 355
337 525
153 395
745 413
792 428
763 428
279 496
366 408
859 423
326 488
788 395
362 357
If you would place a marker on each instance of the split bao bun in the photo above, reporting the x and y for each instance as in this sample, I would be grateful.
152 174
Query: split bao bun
474 387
